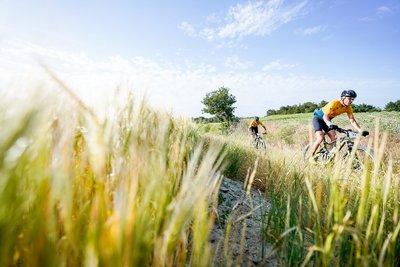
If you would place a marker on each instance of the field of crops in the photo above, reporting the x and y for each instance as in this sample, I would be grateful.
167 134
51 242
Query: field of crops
323 215
140 188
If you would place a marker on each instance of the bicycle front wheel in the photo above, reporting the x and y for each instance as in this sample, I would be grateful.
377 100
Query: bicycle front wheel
363 158
261 144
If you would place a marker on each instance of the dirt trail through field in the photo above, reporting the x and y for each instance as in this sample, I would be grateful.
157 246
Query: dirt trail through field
242 210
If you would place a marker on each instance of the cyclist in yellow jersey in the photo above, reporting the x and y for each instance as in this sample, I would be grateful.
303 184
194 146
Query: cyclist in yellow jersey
253 127
322 121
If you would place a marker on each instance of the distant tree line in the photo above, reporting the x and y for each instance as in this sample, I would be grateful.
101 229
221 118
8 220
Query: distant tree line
308 107
301 108
202 119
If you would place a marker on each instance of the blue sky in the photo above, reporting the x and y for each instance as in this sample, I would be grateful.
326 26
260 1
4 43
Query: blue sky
269 53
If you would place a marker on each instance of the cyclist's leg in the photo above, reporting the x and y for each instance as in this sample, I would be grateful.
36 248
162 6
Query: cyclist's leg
253 136
253 131
332 136
319 138
319 127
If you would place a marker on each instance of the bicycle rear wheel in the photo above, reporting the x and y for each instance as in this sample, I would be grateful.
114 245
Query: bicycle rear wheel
306 151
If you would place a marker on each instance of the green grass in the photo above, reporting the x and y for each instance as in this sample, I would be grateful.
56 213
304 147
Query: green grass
209 128
303 118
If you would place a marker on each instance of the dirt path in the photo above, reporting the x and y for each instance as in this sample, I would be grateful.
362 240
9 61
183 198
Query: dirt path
237 210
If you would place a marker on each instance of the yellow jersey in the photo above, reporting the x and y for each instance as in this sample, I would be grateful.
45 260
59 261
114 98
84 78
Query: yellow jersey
255 123
335 108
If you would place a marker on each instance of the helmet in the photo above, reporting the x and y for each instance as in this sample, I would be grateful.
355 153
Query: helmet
256 118
349 93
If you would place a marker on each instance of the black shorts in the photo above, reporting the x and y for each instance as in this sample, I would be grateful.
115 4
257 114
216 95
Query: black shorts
254 129
320 125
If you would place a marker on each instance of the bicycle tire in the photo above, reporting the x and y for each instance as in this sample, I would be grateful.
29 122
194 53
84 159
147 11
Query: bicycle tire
368 151
320 156
254 143
261 144
305 152
362 156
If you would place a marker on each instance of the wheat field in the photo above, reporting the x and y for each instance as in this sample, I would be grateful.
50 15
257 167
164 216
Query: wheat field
140 187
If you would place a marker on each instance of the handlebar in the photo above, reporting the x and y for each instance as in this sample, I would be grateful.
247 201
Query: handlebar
350 133
258 134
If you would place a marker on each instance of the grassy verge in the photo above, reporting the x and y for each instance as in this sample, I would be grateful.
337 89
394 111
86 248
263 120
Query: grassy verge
132 190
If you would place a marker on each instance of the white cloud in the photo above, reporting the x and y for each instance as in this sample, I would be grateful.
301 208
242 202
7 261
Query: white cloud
383 10
367 19
187 28
213 18
234 63
258 19
311 30
380 13
277 66
208 34
178 88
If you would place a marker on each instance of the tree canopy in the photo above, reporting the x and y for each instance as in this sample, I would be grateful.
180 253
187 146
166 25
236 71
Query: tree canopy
220 104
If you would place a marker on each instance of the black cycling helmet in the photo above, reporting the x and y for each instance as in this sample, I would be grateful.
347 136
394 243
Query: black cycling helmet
349 93
256 118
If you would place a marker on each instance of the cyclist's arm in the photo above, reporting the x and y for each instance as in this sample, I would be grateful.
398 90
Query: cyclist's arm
327 120
354 123
265 128
262 125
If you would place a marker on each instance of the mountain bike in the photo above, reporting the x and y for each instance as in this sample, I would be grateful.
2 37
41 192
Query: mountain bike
343 148
258 142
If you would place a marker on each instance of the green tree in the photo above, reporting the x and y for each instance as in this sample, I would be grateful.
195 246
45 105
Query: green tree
322 103
308 107
271 112
220 104
393 106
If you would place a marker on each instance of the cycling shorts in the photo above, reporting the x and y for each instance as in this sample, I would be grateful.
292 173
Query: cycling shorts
320 125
